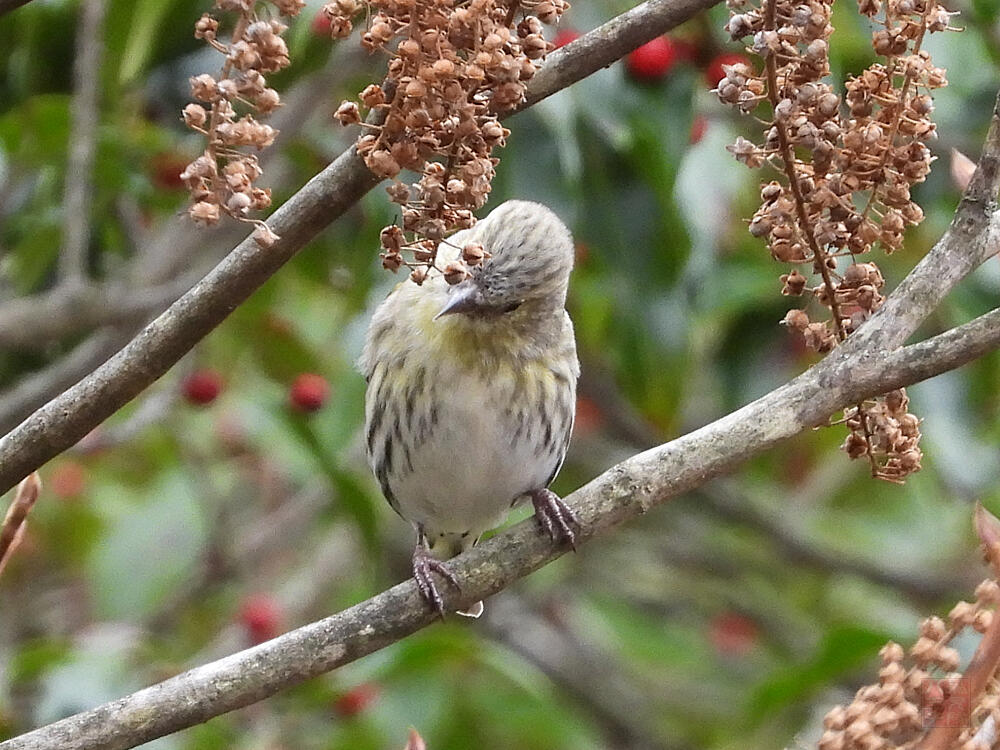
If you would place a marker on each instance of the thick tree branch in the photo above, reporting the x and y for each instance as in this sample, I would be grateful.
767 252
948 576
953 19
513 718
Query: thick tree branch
623 492
67 418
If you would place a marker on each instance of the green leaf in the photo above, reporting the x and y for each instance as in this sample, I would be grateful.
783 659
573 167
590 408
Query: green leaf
151 547
842 650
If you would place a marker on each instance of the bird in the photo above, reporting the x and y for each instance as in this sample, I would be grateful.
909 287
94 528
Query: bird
471 390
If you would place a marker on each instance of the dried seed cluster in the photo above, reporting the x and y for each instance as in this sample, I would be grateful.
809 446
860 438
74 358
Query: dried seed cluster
917 692
846 165
885 428
221 180
454 68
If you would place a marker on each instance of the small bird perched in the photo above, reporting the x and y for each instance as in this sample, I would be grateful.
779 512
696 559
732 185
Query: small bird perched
472 389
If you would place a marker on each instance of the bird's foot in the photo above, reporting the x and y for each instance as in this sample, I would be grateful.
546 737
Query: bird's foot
554 516
424 566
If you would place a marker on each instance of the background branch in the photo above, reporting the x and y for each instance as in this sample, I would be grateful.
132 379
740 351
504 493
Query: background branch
36 320
82 143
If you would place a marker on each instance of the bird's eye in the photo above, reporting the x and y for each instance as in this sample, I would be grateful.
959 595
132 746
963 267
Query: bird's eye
510 308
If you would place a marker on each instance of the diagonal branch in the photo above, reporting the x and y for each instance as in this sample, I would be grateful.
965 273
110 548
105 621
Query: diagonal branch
622 493
67 418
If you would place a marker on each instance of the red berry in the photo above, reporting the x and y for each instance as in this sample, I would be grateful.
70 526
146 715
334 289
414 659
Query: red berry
356 700
733 634
309 392
260 616
653 60
565 36
687 51
321 24
714 72
68 480
588 416
698 127
165 171
202 387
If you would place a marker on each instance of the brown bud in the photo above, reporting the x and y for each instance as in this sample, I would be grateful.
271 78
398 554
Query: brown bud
398 192
391 238
391 261
382 164
418 275
794 283
372 96
474 253
348 113
797 319
455 272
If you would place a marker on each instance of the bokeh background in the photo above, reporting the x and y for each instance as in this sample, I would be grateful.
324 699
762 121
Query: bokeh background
216 511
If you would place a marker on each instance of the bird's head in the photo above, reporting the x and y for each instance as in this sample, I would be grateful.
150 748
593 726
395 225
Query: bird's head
530 259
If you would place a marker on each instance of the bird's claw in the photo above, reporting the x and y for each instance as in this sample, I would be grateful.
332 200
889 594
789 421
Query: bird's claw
424 566
554 516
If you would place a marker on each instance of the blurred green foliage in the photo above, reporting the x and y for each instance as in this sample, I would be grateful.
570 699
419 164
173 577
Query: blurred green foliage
732 618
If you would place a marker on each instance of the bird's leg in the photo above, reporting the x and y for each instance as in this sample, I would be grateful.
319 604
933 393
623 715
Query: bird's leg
554 516
424 565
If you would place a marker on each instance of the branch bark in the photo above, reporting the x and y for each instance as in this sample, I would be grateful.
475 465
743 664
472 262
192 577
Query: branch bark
625 491
63 421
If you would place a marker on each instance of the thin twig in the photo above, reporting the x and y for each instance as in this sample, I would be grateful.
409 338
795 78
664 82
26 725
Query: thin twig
722 498
623 707
983 665
12 528
85 117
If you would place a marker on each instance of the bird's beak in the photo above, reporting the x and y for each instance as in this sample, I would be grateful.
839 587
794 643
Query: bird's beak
463 297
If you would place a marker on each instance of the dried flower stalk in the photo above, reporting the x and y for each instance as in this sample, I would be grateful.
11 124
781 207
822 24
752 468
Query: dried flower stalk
14 522
221 180
844 175
454 68
921 701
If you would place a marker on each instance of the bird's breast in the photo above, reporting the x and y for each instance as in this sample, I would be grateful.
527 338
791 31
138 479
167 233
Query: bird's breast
499 430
